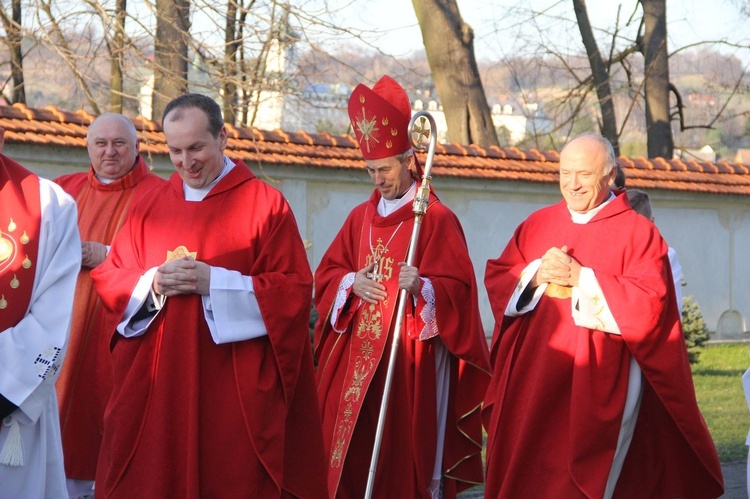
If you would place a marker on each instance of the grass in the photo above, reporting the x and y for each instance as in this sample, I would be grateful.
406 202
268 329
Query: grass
718 387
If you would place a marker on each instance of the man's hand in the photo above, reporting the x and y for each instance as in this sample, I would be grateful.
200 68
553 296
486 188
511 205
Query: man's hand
558 268
182 277
92 253
369 290
408 279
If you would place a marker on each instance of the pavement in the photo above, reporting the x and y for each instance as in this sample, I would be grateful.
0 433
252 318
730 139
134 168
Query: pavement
735 478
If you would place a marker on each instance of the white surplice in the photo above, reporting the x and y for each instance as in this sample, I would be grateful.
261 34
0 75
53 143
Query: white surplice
42 334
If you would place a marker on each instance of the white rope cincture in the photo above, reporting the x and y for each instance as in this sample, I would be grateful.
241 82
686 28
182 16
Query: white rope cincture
12 453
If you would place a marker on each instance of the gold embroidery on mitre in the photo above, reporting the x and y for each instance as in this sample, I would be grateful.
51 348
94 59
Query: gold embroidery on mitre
384 121
362 98
6 249
24 238
557 291
11 226
394 131
180 252
368 128
3 303
14 283
388 144
26 262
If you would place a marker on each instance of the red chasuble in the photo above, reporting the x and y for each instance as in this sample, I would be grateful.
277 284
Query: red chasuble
352 365
555 403
85 381
20 216
190 418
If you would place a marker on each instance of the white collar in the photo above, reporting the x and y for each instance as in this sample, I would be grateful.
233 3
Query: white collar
103 180
192 194
388 206
583 218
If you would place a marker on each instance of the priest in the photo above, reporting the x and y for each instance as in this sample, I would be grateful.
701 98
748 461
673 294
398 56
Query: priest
591 394
214 391
432 439
115 180
40 254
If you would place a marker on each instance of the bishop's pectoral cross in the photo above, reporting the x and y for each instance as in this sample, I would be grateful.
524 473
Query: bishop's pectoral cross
374 274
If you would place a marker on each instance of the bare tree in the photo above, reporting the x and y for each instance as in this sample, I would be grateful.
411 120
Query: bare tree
600 75
57 40
653 46
232 40
13 39
449 43
117 47
170 52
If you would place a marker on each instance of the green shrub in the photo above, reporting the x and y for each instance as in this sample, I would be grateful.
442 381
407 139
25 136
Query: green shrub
693 327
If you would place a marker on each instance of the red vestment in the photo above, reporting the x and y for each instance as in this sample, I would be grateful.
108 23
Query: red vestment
20 215
555 402
85 381
188 417
355 362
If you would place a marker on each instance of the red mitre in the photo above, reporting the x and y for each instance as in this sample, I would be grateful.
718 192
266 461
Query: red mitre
380 118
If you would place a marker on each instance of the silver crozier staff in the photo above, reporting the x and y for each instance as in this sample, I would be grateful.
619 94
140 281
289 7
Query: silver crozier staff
418 132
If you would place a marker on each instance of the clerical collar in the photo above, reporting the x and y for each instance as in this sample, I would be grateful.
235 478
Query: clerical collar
106 181
388 206
584 218
103 180
198 194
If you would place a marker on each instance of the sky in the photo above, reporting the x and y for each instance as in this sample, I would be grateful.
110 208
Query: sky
501 27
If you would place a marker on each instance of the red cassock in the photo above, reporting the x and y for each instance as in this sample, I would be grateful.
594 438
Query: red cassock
352 365
555 403
188 417
85 381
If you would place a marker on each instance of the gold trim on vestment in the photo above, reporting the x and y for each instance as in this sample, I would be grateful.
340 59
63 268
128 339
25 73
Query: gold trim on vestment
447 472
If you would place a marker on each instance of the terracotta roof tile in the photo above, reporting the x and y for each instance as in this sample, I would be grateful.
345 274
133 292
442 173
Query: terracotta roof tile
514 153
52 126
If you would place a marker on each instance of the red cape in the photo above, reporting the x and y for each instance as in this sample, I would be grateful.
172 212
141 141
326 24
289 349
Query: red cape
188 417
408 448
558 390
85 381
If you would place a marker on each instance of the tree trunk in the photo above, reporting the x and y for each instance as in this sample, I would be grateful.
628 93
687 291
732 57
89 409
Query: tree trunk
656 74
170 52
449 43
229 84
118 43
600 74
14 37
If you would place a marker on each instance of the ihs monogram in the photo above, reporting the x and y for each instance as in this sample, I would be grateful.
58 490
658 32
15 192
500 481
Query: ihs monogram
382 265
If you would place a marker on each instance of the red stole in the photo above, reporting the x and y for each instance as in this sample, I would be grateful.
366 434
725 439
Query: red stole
85 381
20 219
386 241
